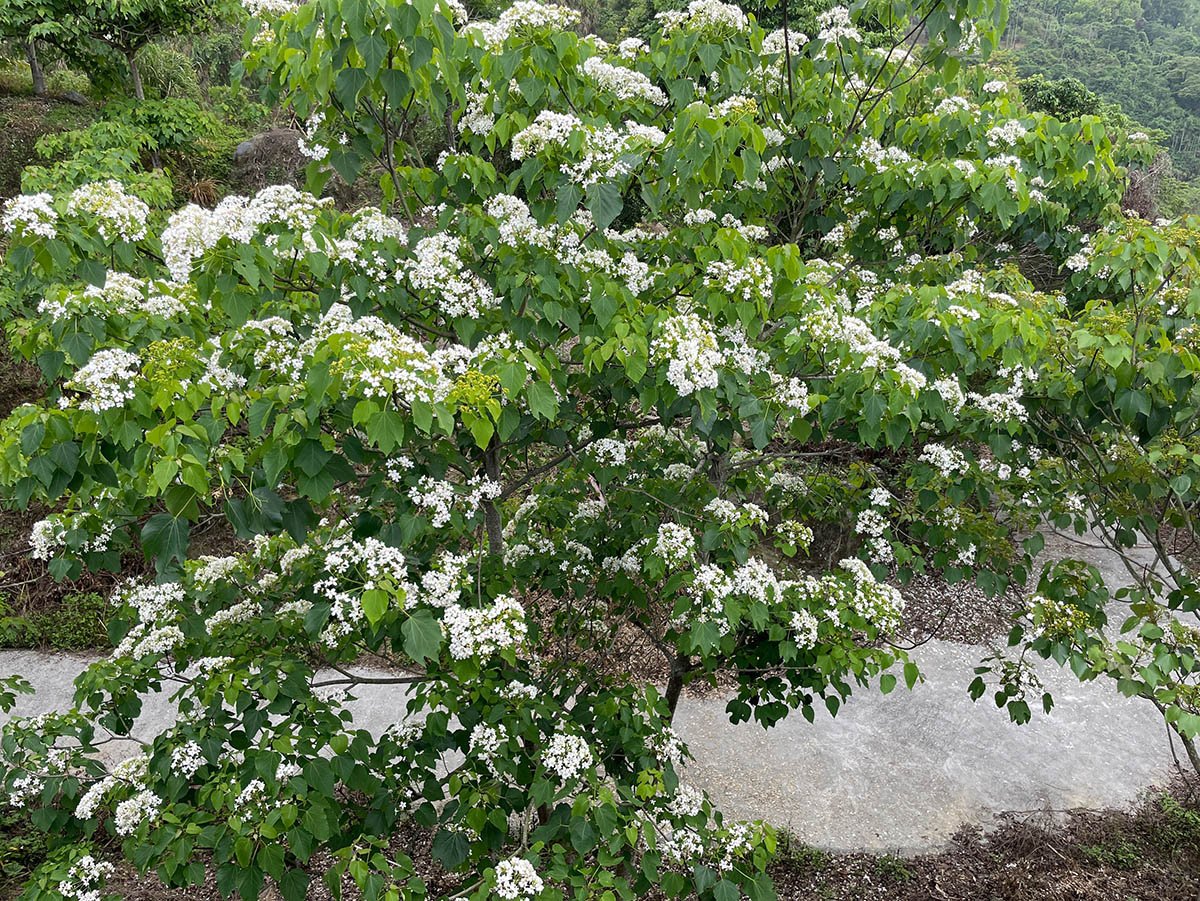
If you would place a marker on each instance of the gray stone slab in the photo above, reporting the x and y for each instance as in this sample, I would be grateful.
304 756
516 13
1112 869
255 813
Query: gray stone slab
903 772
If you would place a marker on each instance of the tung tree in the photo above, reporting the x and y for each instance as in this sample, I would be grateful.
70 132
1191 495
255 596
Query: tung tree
692 347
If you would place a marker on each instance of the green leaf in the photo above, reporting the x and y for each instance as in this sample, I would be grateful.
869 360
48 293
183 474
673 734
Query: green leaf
604 202
294 885
450 849
422 636
375 604
165 538
542 400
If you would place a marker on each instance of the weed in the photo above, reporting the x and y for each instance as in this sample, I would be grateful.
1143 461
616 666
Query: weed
1123 855
893 869
804 856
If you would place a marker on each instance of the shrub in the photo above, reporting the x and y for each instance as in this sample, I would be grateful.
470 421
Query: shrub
168 73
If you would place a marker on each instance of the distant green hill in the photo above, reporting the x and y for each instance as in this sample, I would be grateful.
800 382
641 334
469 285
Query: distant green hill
1142 54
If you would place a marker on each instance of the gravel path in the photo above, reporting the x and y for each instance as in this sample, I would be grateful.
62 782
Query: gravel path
890 773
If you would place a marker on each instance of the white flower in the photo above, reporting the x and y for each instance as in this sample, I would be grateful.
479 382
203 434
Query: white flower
85 879
995 87
675 544
187 759
524 15
549 129
567 756
115 213
689 347
481 632
1007 134
947 460
610 451
108 378
705 15
131 813
625 84
804 625
32 214
517 880
836 26
264 8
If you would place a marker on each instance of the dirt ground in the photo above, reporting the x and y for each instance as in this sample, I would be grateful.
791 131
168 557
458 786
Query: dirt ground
1149 853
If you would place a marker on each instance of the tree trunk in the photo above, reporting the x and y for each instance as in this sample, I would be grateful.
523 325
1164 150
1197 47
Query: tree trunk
491 515
35 69
135 76
679 668
1193 754
139 92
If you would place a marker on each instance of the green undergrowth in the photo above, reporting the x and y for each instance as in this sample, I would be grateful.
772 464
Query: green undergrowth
77 623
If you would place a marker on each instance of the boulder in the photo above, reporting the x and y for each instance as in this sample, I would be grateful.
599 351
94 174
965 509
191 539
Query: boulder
270 158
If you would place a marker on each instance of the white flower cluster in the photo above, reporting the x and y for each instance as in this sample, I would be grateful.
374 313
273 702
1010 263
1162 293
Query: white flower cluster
50 534
749 281
730 514
610 451
108 379
475 117
688 346
194 230
951 393
946 460
132 812
705 16
142 805
307 144
549 129
1006 134
951 105
675 544
441 497
187 759
875 601
831 325
517 880
265 8
523 16
567 756
115 213
1004 405
85 880
32 214
485 742
482 632
437 269
796 533
836 27
792 393
158 607
753 580
121 295
624 83
805 627
872 524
